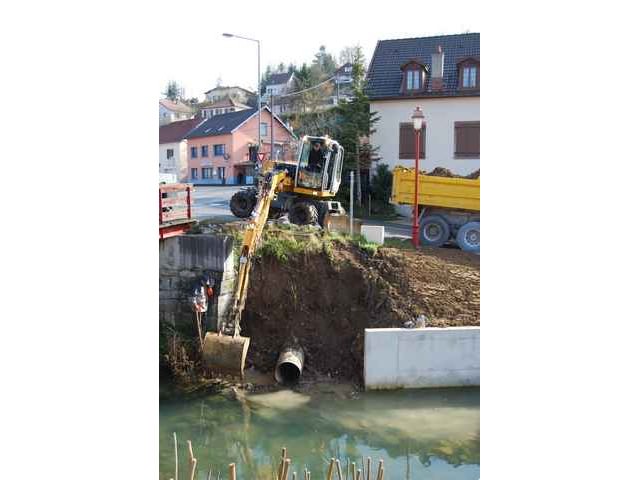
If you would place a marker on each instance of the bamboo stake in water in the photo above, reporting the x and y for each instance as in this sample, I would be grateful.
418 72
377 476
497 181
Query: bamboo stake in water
368 468
175 447
287 463
192 460
330 472
359 475
293 476
380 474
232 471
282 459
339 470
353 470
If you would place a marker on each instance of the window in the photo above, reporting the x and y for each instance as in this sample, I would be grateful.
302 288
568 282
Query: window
194 152
169 153
467 138
207 173
221 172
469 77
407 144
194 173
469 73
413 80
263 129
204 150
218 150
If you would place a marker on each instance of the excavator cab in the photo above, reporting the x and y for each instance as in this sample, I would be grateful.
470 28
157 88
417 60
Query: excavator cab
319 166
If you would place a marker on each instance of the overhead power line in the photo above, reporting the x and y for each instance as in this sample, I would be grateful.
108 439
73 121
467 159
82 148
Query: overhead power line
307 89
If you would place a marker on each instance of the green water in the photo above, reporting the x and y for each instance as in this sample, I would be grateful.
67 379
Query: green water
420 434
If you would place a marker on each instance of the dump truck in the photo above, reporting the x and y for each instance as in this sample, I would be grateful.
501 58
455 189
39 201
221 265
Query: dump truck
449 208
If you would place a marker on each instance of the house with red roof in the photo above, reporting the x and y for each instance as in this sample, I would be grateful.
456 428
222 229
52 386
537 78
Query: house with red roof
171 111
173 160
226 105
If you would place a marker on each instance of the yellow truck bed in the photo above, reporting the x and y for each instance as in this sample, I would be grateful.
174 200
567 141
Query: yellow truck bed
459 193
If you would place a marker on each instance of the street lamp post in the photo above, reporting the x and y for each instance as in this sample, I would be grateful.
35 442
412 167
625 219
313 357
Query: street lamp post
418 123
230 35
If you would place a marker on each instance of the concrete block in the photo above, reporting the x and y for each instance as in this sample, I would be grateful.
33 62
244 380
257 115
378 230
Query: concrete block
202 252
421 357
373 233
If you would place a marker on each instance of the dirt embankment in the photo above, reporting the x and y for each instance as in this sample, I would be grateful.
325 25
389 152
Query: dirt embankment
325 301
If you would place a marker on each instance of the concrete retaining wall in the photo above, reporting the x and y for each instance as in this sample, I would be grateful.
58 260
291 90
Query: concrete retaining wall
183 260
421 357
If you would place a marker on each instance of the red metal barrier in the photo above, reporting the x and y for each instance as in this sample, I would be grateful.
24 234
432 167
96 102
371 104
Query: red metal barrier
174 209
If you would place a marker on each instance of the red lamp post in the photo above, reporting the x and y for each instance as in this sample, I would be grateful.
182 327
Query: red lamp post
418 123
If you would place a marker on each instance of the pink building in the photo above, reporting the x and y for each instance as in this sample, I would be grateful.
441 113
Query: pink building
221 149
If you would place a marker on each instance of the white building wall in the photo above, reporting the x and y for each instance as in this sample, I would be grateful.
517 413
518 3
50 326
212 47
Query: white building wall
441 114
177 165
166 115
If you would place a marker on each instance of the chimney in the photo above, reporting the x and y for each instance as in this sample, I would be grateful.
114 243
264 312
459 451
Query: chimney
437 70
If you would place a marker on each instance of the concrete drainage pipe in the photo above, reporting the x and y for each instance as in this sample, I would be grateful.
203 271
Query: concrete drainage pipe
289 365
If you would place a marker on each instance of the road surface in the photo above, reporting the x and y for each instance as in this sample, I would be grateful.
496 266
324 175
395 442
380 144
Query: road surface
213 202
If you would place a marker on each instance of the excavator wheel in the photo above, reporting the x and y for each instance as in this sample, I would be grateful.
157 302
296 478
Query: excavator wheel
303 213
243 202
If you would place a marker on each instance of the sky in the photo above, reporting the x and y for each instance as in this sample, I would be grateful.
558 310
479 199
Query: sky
289 32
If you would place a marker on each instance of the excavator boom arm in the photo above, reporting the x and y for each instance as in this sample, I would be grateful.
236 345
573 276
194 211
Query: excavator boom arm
250 242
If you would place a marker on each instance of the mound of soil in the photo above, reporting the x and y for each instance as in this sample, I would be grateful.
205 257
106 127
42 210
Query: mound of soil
324 302
445 172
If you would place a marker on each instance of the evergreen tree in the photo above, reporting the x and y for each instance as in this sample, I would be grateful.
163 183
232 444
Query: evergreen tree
173 91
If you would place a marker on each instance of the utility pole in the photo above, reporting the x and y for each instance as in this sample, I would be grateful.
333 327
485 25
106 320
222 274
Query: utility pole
351 203
271 101
231 35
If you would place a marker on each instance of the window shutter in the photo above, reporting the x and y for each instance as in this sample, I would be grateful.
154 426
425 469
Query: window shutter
407 150
467 135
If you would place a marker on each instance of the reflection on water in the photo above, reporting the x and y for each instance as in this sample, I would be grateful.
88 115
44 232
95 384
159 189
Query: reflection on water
419 434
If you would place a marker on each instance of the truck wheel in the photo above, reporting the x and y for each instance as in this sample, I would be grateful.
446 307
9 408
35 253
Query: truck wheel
303 213
243 202
434 231
468 237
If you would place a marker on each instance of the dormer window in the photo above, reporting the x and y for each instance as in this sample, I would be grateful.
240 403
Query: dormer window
469 73
414 78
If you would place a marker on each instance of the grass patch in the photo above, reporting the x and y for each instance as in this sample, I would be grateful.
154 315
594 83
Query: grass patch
400 243
284 244
363 244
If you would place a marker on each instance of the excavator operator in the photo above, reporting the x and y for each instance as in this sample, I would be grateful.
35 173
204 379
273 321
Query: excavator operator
316 158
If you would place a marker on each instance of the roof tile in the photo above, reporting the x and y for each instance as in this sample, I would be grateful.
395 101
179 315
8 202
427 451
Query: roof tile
384 77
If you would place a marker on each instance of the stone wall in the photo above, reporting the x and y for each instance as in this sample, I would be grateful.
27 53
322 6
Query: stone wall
183 261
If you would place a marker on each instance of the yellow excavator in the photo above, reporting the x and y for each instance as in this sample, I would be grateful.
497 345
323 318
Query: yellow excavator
303 190
312 182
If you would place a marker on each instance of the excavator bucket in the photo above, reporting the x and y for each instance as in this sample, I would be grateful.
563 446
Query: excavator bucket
225 353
